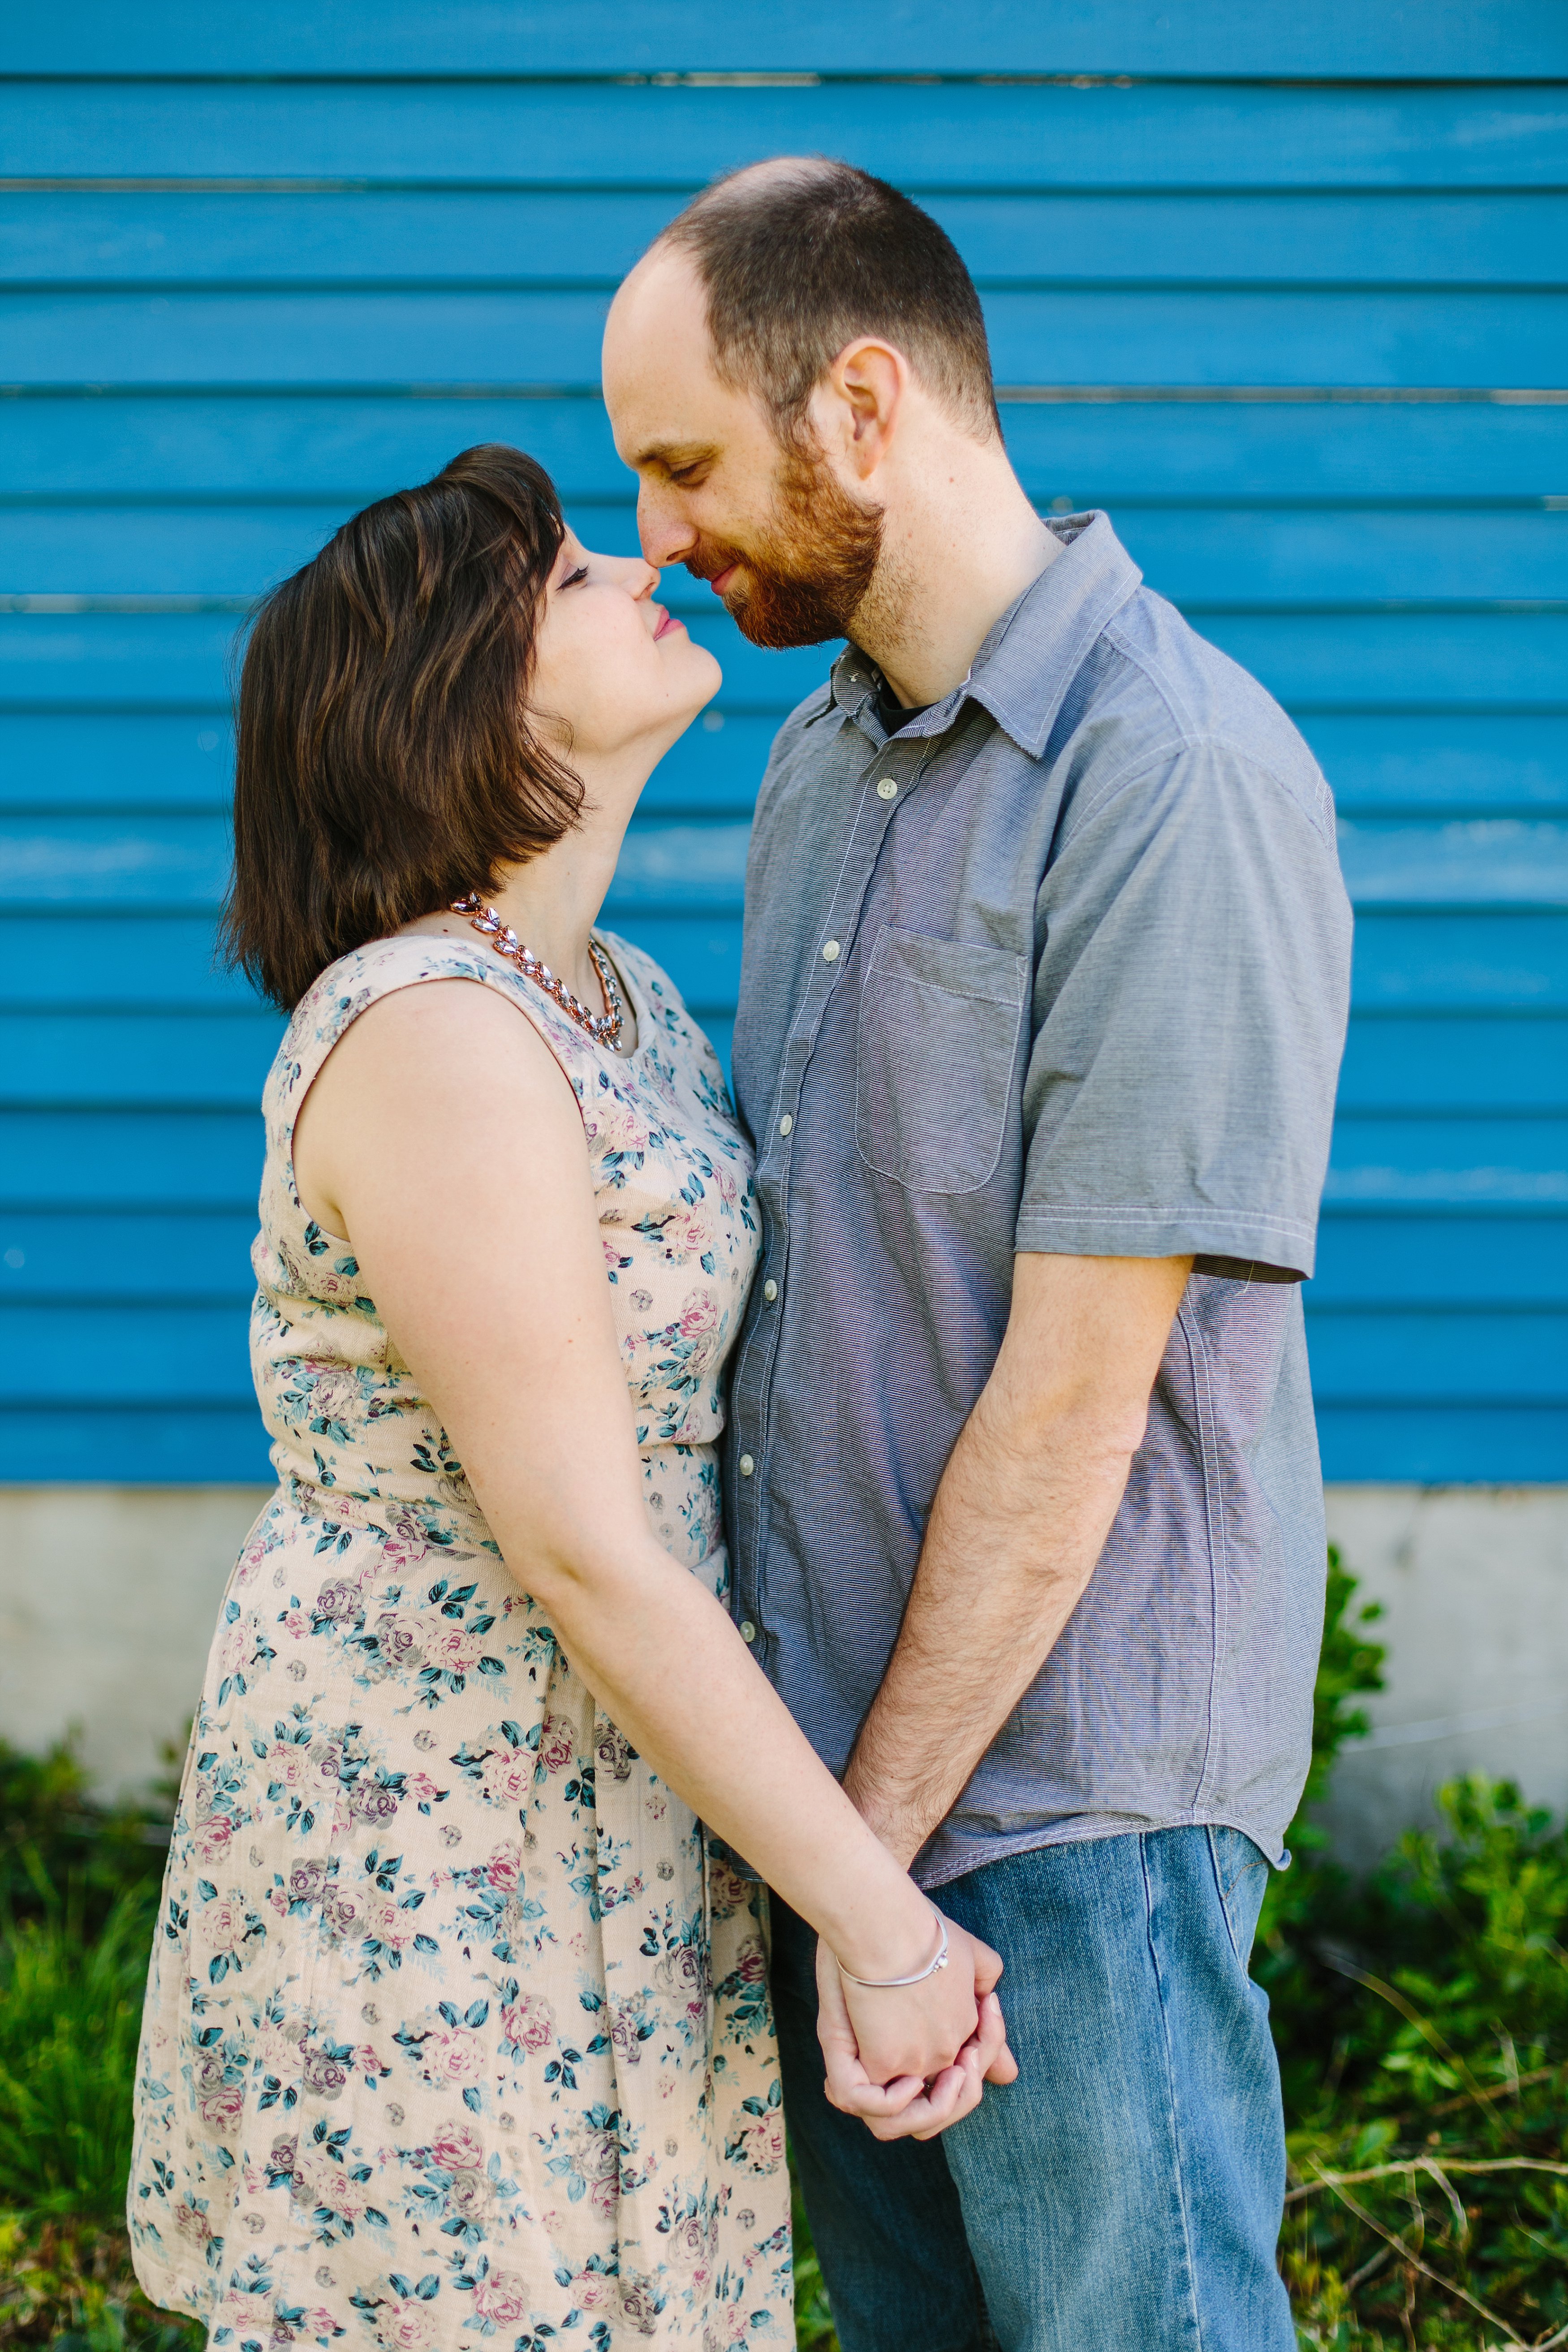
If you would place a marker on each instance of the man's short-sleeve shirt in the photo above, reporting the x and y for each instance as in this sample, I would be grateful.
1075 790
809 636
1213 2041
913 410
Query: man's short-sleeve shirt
1062 966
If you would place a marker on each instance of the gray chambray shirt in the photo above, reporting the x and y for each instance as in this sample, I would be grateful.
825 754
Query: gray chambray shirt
1062 966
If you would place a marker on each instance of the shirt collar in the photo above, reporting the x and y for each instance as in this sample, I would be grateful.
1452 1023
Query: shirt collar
1032 654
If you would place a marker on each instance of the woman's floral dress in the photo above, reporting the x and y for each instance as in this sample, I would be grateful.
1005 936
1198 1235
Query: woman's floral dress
455 2033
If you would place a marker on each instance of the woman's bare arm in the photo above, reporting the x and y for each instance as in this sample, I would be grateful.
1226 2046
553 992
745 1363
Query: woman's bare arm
443 1141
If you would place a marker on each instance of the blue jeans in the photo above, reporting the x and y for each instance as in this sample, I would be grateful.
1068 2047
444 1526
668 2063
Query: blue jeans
1125 2194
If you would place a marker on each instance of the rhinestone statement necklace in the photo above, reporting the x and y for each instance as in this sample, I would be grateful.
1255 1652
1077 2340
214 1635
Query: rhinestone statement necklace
604 1027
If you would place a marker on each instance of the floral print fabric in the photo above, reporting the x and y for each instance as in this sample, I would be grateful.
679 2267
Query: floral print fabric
455 2035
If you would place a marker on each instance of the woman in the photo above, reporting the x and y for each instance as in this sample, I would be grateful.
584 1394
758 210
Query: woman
454 2030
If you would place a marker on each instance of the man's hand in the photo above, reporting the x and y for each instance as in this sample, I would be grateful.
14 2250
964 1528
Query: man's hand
906 2108
1018 1523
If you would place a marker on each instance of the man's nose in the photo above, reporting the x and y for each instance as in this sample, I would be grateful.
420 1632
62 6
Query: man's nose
666 537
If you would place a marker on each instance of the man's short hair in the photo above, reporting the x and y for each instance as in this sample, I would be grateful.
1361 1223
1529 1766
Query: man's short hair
800 258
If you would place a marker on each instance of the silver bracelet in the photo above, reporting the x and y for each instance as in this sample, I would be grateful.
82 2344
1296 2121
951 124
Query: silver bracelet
891 1984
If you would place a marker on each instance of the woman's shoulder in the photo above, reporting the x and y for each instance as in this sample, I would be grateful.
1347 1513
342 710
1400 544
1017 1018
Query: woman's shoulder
338 996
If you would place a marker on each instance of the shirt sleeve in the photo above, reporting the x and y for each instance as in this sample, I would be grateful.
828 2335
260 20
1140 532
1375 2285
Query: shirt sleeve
1191 988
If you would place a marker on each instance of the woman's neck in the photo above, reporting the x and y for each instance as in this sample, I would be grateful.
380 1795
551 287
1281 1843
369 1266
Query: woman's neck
553 901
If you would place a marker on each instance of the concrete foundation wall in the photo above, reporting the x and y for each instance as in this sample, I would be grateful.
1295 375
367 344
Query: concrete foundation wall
1474 1586
108 1596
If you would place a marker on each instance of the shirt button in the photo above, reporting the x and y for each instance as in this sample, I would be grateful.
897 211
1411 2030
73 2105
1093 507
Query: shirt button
748 1630
888 790
831 951
770 1290
745 1465
785 1124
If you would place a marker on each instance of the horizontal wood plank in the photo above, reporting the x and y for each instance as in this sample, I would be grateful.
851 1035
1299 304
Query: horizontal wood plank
1424 1164
142 964
1195 555
126 660
347 448
1364 1262
171 236
149 762
104 1056
174 1159
64 1157
164 862
112 1256
1475 1063
1405 961
193 1444
148 1351
165 1352
967 135
196 1444
1439 1355
1310 661
1442 38
1441 1444
1459 960
483 339
136 1061
1467 862
1478 1261
1379 763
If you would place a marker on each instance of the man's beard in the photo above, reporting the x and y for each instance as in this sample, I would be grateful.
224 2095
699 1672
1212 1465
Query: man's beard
809 573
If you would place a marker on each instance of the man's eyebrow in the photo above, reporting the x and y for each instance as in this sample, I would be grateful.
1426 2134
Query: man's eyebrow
672 456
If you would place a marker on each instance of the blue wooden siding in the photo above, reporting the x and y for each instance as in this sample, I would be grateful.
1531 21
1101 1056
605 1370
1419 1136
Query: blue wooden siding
1284 289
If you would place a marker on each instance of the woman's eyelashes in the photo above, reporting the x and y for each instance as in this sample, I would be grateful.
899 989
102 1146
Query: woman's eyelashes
572 578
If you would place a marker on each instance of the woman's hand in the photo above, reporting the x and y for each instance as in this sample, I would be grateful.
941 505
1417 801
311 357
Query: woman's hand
879 2062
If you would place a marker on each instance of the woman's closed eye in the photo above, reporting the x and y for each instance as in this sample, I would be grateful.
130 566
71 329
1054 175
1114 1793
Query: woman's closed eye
572 578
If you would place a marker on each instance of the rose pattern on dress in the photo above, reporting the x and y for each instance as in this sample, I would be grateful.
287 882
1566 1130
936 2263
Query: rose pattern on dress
455 2032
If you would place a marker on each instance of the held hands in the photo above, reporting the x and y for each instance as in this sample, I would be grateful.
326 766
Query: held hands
911 2061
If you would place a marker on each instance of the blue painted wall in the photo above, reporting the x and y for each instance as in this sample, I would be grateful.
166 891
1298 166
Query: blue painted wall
1284 289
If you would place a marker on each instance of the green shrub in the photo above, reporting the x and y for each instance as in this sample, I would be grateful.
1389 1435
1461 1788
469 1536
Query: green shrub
1421 2019
64 1855
70 2015
79 1886
1428 2203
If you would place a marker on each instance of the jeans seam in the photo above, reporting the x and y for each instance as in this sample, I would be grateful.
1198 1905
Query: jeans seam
1196 2320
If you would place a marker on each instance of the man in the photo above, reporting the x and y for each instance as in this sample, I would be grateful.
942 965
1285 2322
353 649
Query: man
1042 1002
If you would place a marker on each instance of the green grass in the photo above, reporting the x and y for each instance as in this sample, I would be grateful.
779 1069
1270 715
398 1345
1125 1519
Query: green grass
1421 2019
71 2012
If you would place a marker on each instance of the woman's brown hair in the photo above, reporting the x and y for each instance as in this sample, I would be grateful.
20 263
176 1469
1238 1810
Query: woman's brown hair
386 759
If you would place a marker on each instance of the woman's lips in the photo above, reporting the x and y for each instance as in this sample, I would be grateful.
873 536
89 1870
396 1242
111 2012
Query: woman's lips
669 621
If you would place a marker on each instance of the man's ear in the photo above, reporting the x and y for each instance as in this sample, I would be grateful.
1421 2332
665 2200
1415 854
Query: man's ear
866 390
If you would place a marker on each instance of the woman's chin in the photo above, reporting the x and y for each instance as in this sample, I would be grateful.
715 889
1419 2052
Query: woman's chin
701 680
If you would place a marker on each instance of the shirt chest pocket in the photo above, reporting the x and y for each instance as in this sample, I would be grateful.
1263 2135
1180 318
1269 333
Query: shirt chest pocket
937 1040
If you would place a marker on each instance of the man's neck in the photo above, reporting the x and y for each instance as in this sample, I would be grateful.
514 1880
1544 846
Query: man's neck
949 569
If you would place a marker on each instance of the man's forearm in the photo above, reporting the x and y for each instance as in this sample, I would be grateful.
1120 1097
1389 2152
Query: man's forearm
993 1590
1019 1522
